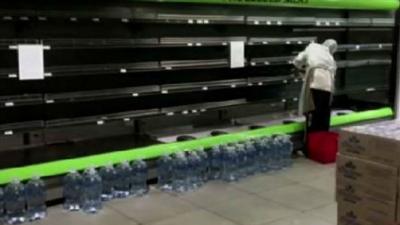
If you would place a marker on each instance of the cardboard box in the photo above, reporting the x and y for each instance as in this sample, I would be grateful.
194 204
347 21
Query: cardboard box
349 215
372 201
370 147
377 177
398 203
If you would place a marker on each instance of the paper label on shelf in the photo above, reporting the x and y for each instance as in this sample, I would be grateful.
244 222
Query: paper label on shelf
237 54
30 62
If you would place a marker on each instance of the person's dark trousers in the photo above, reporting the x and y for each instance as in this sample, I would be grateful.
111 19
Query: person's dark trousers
318 119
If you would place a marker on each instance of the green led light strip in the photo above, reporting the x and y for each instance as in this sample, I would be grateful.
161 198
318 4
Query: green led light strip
63 166
325 4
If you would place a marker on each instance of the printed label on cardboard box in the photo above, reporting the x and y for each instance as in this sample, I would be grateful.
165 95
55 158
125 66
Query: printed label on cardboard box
360 196
370 147
375 175
350 215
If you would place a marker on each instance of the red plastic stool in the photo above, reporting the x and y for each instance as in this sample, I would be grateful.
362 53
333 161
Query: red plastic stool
323 146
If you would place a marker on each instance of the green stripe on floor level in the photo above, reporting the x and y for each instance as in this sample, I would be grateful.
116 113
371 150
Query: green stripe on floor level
324 4
63 166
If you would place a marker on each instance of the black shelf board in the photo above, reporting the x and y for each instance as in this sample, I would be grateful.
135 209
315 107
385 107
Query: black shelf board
365 47
66 44
201 107
261 81
271 61
199 19
13 128
103 69
194 64
20 100
361 89
198 41
104 94
101 119
281 40
203 86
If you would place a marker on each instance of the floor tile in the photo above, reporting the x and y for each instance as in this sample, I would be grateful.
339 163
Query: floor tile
299 197
213 193
252 210
303 172
262 183
198 217
326 183
152 208
300 219
107 216
327 213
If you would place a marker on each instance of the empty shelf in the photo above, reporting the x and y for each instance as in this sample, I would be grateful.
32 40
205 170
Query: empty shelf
365 47
260 81
101 119
12 128
365 62
203 86
103 69
331 22
359 22
279 21
281 40
281 60
361 89
101 94
194 64
201 107
100 43
198 41
383 22
200 19
20 100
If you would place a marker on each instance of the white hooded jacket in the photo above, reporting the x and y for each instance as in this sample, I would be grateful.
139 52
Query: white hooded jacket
320 68
318 58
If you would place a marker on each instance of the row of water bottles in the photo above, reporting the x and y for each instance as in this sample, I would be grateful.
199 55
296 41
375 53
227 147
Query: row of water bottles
182 172
23 202
87 191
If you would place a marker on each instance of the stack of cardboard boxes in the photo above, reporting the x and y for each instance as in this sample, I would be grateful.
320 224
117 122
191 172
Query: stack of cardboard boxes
367 175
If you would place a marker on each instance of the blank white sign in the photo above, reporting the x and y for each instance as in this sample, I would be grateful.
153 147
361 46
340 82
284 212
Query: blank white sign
237 54
30 62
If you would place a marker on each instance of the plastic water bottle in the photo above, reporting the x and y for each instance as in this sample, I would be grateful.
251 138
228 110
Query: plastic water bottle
195 170
123 180
276 153
267 154
229 173
14 197
139 178
259 145
287 146
203 166
91 192
2 210
241 161
109 178
180 168
215 163
251 155
72 191
164 172
35 194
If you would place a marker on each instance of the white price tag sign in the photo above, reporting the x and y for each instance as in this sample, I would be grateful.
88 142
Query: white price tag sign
237 59
30 62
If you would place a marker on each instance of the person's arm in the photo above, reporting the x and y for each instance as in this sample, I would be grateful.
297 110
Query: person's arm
300 61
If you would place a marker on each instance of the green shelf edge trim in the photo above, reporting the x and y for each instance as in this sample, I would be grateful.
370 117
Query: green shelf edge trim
63 166
323 4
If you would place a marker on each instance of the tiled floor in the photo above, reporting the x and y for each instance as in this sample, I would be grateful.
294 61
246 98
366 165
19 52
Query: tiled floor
302 195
